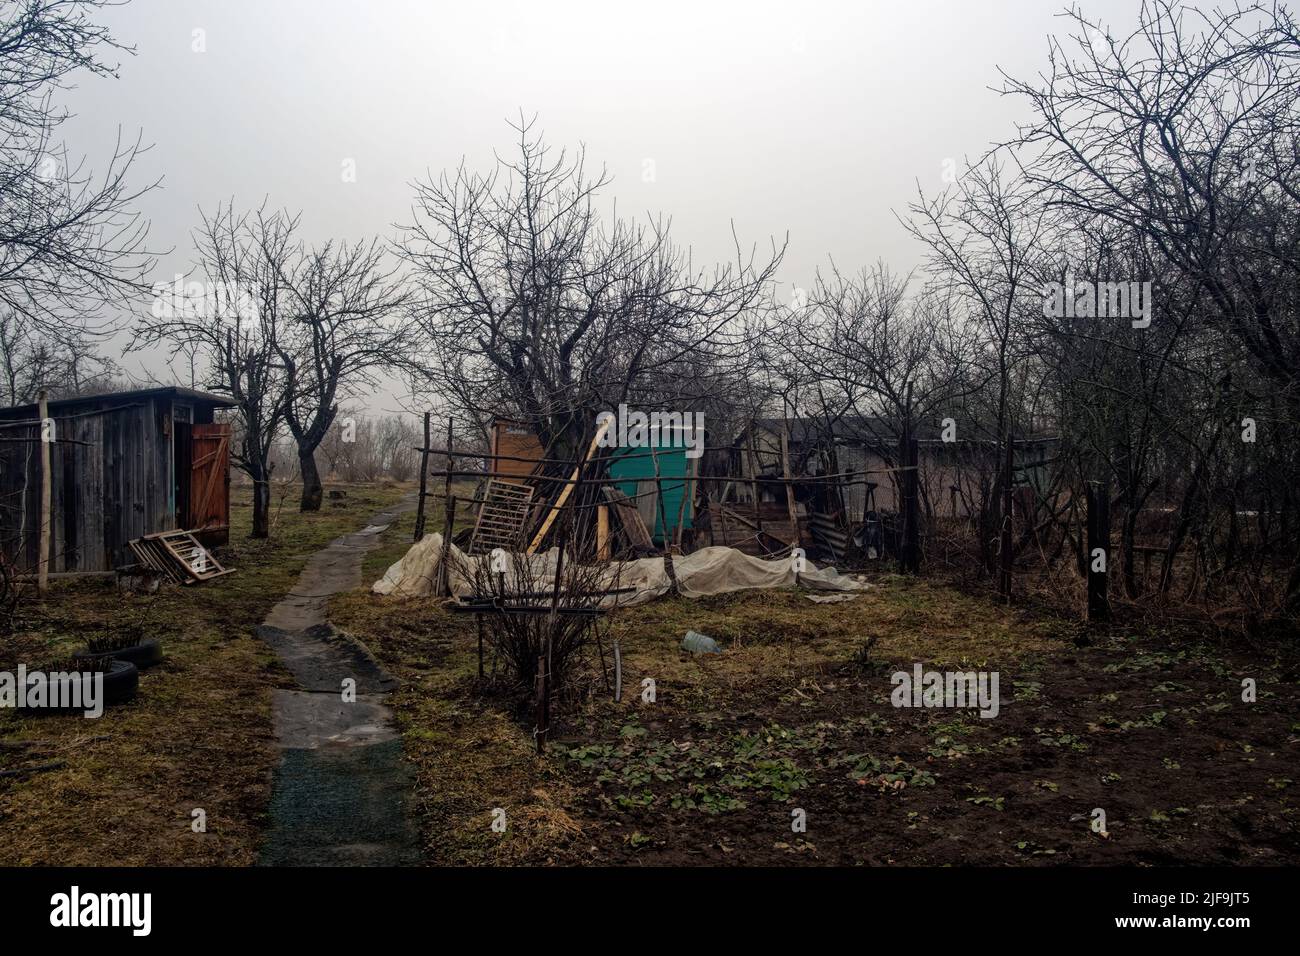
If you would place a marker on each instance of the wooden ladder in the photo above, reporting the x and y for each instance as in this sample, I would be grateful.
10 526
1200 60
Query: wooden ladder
501 517
179 556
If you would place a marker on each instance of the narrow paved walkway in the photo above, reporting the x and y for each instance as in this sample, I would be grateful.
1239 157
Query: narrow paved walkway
341 793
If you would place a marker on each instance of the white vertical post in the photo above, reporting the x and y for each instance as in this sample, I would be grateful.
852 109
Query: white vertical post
43 565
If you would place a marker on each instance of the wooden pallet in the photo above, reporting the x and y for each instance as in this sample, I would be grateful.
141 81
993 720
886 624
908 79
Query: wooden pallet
501 517
178 556
739 528
634 527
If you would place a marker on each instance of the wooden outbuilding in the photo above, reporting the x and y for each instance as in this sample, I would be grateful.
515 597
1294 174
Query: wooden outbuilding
123 465
631 471
515 441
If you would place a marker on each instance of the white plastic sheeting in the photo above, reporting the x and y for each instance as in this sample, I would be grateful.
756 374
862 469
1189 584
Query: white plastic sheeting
704 572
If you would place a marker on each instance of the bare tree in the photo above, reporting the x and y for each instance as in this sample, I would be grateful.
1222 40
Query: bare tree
534 308
70 242
1178 138
347 324
1184 132
862 347
235 320
985 237
64 362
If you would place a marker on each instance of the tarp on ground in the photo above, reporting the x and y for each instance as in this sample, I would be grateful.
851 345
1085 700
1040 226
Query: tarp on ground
701 573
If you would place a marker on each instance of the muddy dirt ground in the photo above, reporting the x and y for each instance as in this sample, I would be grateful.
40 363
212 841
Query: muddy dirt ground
1149 726
1160 741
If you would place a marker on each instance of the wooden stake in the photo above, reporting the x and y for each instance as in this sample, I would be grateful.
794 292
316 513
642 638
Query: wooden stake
789 489
602 533
424 481
539 704
43 565
753 477
544 662
618 674
443 585
1008 474
1098 496
568 488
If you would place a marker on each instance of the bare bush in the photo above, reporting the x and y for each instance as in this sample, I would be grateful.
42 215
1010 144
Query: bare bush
552 623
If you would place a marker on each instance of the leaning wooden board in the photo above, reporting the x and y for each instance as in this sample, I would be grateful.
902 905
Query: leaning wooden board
634 528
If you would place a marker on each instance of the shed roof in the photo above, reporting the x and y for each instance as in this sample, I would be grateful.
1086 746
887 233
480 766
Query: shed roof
115 399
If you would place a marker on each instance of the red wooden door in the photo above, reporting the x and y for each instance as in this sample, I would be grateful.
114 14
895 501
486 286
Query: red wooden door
210 482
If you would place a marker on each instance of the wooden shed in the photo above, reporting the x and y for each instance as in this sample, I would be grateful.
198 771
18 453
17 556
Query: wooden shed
123 465
664 503
631 470
515 440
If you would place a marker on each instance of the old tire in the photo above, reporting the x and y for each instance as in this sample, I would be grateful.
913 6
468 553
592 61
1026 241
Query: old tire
143 655
121 682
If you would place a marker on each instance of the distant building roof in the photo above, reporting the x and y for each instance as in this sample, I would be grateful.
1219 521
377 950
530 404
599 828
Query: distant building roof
854 429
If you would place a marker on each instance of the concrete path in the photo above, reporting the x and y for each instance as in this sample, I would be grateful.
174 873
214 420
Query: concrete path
341 793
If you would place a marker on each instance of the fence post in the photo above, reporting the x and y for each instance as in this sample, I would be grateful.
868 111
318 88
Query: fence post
789 487
1098 495
753 478
618 674
451 462
540 704
1008 500
442 587
43 564
424 481
909 461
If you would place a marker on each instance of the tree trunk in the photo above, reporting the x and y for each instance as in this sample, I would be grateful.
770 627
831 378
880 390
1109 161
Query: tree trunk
312 493
1128 558
261 507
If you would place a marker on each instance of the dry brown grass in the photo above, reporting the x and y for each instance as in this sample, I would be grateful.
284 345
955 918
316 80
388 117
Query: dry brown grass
199 733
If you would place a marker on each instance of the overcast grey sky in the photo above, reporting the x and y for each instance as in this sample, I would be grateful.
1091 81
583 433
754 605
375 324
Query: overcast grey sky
817 118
